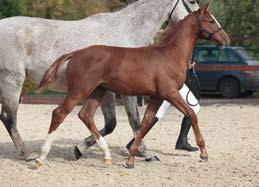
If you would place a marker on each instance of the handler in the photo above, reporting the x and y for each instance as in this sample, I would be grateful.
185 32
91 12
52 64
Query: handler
193 85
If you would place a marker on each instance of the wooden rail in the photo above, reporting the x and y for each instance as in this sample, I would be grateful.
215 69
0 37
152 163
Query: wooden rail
198 67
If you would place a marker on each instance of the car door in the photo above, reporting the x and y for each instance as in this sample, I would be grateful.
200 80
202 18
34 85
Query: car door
235 59
209 56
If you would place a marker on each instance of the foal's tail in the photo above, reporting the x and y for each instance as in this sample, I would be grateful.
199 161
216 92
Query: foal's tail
51 74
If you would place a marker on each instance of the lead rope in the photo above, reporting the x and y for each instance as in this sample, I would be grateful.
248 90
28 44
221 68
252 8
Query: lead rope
169 16
192 71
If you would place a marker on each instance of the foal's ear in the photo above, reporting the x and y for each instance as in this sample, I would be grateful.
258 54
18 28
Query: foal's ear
207 6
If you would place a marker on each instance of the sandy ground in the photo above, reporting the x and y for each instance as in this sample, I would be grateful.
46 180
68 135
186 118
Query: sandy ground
231 132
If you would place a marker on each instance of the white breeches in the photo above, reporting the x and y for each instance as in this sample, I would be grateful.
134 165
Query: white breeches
189 98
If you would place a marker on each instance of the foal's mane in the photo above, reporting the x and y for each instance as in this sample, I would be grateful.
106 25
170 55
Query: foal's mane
166 35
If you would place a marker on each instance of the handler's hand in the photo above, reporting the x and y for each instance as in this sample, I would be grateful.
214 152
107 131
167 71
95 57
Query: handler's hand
191 65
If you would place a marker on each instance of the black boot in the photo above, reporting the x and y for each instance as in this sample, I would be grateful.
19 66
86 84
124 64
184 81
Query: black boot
182 142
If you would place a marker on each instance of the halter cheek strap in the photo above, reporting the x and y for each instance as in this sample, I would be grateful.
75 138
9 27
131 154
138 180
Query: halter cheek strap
210 33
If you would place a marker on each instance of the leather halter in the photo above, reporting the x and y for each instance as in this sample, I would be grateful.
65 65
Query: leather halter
202 30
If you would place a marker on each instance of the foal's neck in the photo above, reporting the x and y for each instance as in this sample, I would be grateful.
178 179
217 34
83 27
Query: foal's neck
144 19
181 40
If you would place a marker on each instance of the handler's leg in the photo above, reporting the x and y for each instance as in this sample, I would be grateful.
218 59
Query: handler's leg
182 141
193 84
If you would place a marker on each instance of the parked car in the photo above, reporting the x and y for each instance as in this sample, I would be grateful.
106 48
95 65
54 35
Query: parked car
227 83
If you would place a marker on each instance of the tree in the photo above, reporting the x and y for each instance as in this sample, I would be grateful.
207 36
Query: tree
9 8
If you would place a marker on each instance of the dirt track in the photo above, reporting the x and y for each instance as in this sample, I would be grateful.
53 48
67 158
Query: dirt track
231 132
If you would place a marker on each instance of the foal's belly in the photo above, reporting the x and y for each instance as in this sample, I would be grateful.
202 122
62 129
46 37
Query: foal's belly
133 87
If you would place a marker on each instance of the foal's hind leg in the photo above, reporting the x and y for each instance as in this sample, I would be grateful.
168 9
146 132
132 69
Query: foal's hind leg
86 114
58 116
108 109
130 103
146 124
181 105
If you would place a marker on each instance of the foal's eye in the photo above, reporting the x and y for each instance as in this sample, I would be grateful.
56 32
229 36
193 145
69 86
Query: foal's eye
212 21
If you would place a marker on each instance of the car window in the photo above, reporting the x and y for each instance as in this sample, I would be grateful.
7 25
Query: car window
232 56
201 53
242 52
222 57
205 56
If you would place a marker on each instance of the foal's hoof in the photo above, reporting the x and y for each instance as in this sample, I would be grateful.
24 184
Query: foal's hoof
128 166
108 161
77 153
37 164
140 153
204 158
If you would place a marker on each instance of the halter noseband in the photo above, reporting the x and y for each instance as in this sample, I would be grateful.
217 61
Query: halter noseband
202 30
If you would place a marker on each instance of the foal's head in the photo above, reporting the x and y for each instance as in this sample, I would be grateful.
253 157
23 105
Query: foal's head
210 28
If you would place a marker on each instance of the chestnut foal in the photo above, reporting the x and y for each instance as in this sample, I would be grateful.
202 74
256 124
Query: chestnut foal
157 71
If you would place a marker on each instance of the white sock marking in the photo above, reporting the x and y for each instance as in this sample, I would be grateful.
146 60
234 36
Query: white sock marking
45 149
104 147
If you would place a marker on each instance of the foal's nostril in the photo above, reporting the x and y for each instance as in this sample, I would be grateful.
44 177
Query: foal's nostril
225 37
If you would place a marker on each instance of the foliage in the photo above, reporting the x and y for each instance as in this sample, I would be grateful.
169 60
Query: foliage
8 8
58 9
28 87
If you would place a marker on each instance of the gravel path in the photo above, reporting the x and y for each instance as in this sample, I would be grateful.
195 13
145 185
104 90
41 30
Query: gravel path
231 132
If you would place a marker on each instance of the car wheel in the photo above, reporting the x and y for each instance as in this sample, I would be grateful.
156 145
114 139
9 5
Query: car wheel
229 87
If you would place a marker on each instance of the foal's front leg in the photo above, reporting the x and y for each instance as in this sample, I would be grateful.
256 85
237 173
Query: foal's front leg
176 99
146 124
